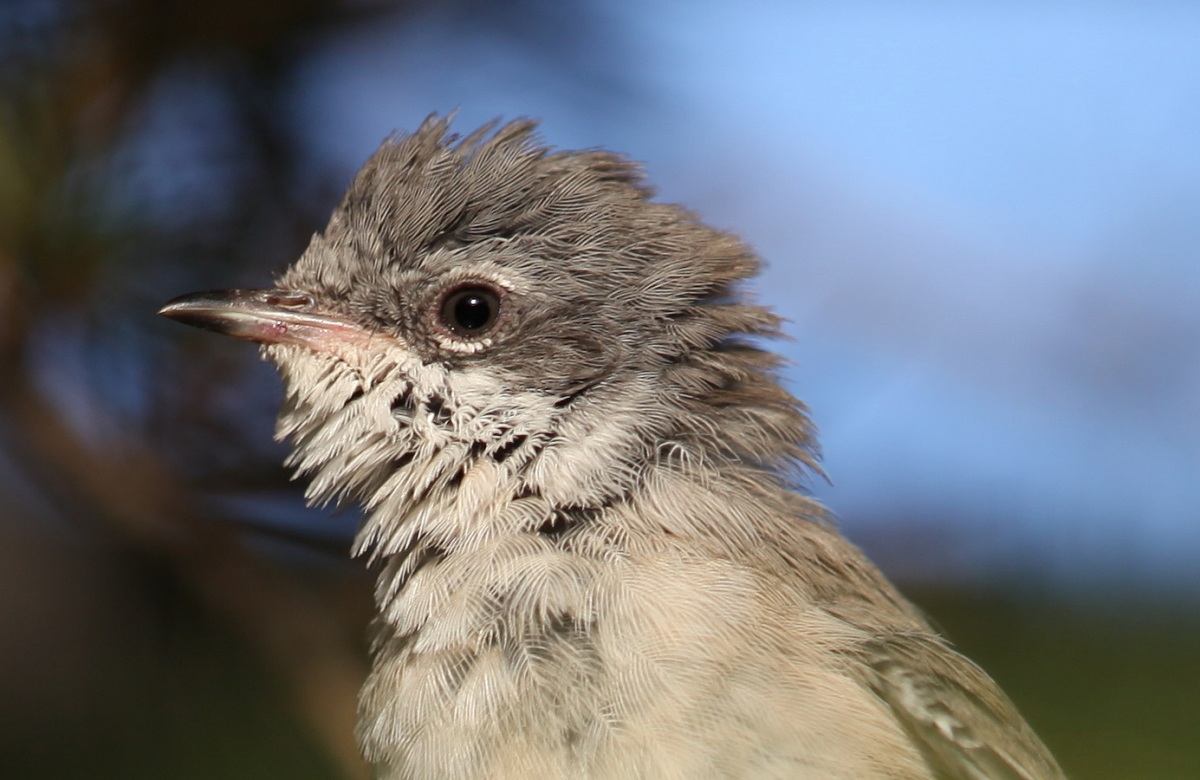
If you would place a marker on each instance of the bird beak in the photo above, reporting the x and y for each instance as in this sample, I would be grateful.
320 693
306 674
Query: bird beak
265 316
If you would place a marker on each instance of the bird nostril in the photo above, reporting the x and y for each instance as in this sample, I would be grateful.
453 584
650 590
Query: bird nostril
288 300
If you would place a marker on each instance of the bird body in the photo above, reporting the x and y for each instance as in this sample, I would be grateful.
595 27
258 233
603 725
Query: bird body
579 478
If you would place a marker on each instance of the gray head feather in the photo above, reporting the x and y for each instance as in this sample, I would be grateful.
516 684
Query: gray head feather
615 307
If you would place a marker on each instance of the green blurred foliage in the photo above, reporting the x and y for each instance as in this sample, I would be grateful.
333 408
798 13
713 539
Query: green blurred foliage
1110 685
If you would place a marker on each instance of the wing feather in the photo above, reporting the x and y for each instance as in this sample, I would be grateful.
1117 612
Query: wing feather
962 722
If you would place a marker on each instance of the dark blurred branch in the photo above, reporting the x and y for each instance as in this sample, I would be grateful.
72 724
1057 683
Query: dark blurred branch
300 632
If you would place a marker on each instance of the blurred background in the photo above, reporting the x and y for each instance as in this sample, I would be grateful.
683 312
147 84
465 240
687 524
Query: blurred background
981 219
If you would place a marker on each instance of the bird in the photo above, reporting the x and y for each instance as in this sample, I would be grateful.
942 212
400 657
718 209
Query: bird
583 487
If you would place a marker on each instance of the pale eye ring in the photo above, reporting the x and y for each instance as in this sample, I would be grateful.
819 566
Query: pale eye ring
470 311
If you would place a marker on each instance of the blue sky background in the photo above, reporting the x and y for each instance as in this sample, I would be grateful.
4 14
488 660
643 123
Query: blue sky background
981 219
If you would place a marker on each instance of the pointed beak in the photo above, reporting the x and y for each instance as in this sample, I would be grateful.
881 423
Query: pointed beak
265 316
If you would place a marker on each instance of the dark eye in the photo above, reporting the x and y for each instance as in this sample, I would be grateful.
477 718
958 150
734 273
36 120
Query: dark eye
470 311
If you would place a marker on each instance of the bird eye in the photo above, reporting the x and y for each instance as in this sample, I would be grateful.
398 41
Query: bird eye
470 311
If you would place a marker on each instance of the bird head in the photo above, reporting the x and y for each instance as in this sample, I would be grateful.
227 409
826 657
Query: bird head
489 332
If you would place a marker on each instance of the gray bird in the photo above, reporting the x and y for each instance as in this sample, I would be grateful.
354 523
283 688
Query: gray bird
579 478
